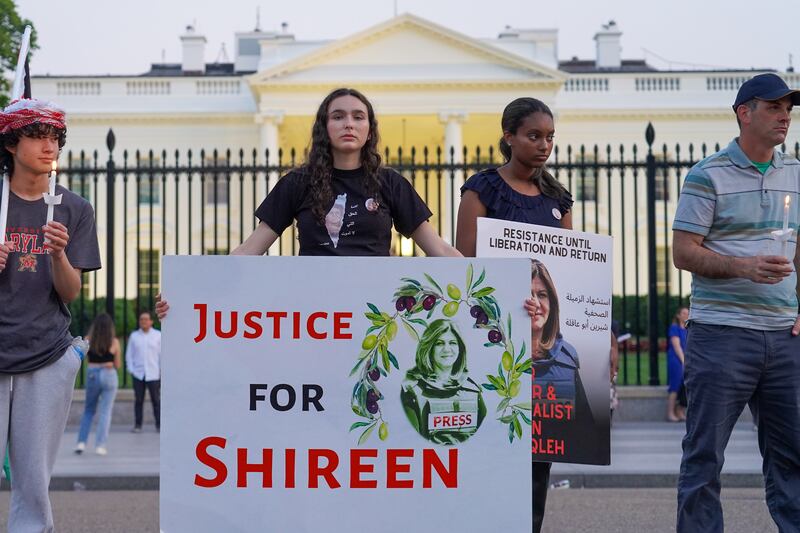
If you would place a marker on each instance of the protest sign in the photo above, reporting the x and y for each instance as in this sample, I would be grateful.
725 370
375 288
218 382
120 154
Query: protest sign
345 394
571 276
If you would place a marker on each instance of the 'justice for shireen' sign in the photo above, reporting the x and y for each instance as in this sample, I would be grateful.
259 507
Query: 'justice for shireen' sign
570 276
344 394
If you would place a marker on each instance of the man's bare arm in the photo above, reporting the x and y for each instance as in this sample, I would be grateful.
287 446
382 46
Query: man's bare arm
688 253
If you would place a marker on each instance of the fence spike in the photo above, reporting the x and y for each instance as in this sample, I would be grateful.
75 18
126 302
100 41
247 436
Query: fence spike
111 141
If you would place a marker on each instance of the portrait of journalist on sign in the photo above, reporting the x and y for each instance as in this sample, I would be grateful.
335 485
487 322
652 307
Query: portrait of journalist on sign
440 400
563 406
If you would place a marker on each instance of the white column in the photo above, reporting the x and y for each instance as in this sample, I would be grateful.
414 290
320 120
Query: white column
269 121
453 141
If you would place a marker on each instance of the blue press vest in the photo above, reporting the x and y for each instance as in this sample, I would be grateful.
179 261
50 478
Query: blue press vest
558 371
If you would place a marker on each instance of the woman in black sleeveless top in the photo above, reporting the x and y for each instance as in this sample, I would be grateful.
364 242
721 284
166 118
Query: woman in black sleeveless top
104 358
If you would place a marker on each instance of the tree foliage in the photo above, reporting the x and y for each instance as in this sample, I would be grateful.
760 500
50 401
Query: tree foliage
11 28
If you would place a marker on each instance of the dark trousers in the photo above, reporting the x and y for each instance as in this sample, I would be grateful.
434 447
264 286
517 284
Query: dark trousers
541 482
155 396
727 367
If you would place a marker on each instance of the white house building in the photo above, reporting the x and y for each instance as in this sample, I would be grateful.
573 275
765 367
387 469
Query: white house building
431 86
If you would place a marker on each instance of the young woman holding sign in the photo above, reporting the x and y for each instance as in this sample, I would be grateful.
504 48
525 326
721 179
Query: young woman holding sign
521 190
343 199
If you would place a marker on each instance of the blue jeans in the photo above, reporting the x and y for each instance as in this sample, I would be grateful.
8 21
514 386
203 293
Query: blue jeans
727 367
101 388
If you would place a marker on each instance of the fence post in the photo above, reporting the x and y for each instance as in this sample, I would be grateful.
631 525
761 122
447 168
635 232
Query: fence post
110 180
652 285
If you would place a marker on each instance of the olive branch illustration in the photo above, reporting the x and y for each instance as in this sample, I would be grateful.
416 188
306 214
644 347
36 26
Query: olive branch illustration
412 299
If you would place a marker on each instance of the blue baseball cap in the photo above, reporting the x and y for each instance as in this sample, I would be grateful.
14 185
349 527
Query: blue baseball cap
769 87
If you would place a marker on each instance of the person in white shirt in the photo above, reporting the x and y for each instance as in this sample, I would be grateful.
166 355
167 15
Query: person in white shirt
143 360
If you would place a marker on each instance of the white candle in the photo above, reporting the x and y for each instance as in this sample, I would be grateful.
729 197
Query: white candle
52 191
786 202
4 209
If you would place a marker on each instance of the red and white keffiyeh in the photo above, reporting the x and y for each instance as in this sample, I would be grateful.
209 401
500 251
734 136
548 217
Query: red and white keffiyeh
23 112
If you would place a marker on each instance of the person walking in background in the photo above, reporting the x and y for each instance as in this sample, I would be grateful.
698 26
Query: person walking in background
143 360
743 344
104 358
676 347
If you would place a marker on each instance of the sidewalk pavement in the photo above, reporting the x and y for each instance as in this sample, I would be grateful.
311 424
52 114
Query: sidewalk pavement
648 454
644 454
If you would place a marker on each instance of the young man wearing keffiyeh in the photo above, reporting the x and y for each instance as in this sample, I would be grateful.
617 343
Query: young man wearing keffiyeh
40 273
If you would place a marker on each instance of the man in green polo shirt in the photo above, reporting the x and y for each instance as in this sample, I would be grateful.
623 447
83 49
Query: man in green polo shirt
743 344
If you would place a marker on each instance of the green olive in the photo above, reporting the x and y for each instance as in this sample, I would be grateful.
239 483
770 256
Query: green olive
383 431
391 330
507 361
453 292
514 388
369 342
450 309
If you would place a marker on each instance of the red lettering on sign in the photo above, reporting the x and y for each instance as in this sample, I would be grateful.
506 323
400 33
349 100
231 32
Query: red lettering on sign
340 326
357 468
393 468
243 468
313 333
251 321
288 481
323 463
431 461
315 470
201 451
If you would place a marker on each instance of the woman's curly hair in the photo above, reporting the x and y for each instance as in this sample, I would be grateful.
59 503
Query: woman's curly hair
319 163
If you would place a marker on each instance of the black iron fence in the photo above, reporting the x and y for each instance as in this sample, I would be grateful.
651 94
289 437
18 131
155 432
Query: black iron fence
148 204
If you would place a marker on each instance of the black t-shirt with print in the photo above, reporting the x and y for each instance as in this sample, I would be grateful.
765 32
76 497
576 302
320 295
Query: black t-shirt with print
355 225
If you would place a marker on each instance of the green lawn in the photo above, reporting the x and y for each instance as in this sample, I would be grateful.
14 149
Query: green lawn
630 373
628 376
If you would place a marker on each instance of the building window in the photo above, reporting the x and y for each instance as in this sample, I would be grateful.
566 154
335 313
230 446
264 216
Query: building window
215 182
80 183
662 264
662 186
585 179
148 271
86 286
147 174
149 195
662 179
79 176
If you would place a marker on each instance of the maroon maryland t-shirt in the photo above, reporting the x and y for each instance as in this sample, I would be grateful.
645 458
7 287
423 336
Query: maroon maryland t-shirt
34 322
